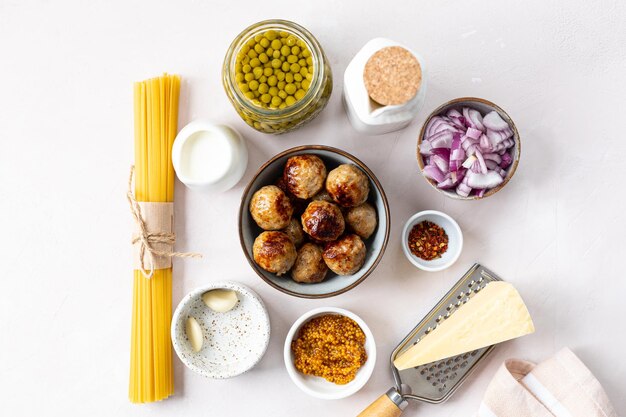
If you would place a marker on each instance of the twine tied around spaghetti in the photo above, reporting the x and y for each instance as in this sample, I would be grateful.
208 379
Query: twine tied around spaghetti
147 240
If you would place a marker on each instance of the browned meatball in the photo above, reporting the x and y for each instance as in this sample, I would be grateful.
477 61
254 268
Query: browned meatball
295 232
274 252
362 219
323 196
298 204
348 185
304 175
310 266
323 221
346 255
270 208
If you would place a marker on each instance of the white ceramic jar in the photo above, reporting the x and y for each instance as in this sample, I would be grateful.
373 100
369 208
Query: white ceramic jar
367 116
209 157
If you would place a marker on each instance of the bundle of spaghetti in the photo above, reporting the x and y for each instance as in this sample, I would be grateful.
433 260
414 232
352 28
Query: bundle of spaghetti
156 118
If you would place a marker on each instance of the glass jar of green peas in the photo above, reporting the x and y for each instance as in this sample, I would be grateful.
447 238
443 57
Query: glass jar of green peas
276 76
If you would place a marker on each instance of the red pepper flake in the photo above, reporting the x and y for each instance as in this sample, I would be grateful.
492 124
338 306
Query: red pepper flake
428 241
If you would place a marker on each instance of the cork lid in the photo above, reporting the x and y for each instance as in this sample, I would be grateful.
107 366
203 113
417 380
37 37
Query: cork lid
392 76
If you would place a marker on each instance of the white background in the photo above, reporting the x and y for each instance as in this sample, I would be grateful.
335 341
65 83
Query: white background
557 230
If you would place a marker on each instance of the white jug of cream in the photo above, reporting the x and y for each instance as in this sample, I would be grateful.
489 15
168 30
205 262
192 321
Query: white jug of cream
209 157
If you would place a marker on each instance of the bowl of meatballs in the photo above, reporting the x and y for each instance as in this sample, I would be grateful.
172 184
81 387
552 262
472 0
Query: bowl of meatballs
314 221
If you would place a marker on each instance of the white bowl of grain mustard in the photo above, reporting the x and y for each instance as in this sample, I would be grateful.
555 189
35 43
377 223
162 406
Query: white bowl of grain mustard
326 324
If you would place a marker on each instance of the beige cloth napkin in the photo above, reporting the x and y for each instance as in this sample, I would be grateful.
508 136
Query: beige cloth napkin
562 386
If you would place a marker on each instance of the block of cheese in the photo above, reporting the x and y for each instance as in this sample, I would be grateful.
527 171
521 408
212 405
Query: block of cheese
493 315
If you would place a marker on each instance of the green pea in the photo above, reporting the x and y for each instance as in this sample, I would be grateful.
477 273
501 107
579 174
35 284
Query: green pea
294 68
280 75
297 84
285 66
263 88
251 42
297 77
291 41
264 42
276 101
269 51
255 62
304 71
238 67
285 50
292 59
263 58
299 94
252 53
244 49
258 37
276 63
254 84
276 53
309 61
271 34
289 77
295 50
282 94
250 95
281 85
306 84
258 48
282 106
257 72
290 88
276 44
262 79
248 77
306 53
290 100
247 68
266 98
283 34
272 80
268 72
244 87
245 60
301 43
239 77
302 63
273 91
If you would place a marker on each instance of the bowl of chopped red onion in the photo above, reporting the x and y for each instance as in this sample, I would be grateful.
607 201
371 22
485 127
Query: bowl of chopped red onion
468 148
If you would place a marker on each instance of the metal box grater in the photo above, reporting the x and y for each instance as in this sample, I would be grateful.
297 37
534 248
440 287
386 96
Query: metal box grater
436 382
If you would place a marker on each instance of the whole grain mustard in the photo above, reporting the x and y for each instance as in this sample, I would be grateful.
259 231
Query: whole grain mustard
330 346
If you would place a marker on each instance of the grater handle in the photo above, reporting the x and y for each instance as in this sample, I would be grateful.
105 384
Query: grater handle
390 404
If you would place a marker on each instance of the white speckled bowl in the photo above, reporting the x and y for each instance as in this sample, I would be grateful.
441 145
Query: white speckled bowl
316 386
234 341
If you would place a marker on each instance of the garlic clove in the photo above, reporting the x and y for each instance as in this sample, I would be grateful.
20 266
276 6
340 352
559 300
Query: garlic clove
194 334
220 300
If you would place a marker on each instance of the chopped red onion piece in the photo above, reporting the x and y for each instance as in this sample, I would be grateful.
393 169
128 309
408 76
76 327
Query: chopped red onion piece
506 160
440 162
473 133
443 152
485 143
481 162
442 140
425 147
493 121
489 180
434 173
477 119
454 113
480 193
469 162
463 189
491 164
493 156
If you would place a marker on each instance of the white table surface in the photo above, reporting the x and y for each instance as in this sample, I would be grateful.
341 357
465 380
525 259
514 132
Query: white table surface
557 230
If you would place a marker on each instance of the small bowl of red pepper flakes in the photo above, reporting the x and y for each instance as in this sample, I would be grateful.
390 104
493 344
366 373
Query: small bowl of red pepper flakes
432 240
